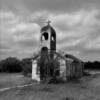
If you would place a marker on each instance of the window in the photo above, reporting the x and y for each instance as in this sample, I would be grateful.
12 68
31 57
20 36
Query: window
53 37
44 49
45 36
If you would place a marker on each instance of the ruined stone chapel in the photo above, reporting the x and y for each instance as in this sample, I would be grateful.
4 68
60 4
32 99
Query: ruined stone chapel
49 63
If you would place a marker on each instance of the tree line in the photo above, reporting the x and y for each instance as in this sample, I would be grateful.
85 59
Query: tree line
13 65
95 65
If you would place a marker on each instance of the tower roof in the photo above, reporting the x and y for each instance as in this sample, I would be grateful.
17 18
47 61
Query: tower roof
47 27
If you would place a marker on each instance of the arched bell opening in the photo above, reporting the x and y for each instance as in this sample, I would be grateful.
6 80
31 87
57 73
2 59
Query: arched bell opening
53 40
45 36
53 37
44 53
44 50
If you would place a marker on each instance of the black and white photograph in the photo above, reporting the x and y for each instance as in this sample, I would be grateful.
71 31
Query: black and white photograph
49 49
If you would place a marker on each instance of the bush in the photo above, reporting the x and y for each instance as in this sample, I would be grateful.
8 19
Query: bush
26 66
10 64
92 65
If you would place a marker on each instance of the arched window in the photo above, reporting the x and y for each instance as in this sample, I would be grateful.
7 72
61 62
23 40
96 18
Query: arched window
45 36
44 49
53 37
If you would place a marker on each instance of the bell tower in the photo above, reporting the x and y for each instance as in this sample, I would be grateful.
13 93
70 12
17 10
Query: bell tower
48 39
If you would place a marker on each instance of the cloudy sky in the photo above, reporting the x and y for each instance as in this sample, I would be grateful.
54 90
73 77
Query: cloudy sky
77 23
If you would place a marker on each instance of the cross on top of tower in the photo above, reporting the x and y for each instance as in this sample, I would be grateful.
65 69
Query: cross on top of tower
48 22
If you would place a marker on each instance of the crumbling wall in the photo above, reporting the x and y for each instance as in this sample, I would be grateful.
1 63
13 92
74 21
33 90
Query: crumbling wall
35 74
74 70
65 69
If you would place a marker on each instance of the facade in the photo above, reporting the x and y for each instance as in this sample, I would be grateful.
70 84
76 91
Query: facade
49 64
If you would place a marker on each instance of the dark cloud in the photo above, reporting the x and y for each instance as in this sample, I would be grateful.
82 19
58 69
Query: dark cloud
76 22
28 43
50 5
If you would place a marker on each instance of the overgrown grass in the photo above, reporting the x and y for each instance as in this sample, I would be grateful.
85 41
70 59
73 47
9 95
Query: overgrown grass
87 89
10 80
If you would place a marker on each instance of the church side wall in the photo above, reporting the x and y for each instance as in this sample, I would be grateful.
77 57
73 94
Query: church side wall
35 75
74 70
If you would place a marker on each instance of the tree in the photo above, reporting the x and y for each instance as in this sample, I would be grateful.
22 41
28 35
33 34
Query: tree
11 64
92 65
26 66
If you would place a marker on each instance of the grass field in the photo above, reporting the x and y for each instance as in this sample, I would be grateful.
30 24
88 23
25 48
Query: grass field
88 88
10 80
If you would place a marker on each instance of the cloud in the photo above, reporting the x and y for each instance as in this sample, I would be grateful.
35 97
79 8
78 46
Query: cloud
77 32
75 25
94 44
50 5
17 34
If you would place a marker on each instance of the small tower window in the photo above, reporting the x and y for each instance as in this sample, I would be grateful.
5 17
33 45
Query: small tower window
45 36
44 49
53 37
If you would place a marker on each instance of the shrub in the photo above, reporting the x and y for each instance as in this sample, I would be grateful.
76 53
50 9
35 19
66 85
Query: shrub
26 66
10 64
